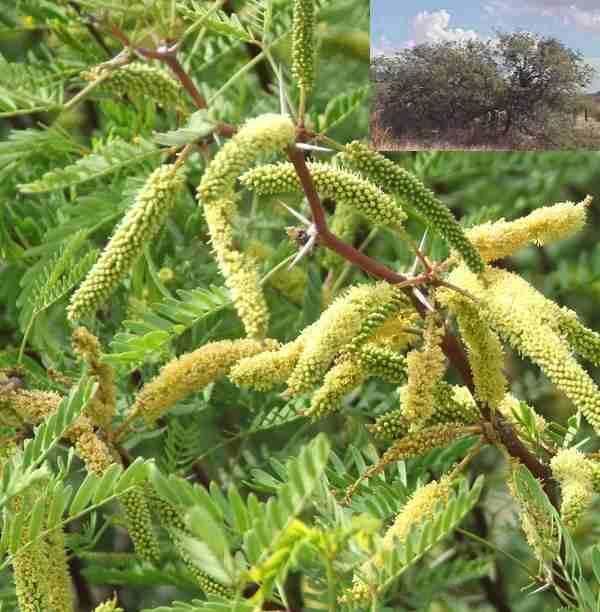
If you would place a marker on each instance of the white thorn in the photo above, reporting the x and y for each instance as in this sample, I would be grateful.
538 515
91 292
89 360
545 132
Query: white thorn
282 105
419 295
295 213
310 147
421 245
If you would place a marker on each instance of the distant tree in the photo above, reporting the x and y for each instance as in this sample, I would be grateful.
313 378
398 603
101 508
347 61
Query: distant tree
518 81
541 75
442 84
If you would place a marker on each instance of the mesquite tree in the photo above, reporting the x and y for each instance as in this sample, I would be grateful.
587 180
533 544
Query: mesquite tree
515 81
235 376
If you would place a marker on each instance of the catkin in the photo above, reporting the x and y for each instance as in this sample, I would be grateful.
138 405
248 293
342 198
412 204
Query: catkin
265 134
529 321
139 226
418 509
191 373
395 179
139 81
101 408
335 329
303 45
498 239
331 182
574 472
425 368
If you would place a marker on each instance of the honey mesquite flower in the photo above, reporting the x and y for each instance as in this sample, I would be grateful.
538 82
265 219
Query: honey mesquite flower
484 350
452 404
335 329
332 182
342 378
170 519
138 227
420 508
268 369
499 239
585 342
539 529
528 321
392 178
303 45
191 373
101 408
139 81
574 472
265 134
425 368
41 573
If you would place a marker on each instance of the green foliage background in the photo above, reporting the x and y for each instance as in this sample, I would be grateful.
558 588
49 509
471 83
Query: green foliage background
51 228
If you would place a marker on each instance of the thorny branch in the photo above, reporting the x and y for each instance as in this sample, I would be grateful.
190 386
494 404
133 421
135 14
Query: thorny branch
452 348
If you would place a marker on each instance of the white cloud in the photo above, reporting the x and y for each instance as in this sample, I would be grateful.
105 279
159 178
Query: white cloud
433 27
583 15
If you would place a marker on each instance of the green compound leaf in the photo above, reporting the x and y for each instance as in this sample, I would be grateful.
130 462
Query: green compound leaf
114 156
397 560
147 338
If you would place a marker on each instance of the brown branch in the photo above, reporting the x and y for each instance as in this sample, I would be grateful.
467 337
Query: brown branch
451 346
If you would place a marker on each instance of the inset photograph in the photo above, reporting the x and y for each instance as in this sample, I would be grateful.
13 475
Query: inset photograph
495 75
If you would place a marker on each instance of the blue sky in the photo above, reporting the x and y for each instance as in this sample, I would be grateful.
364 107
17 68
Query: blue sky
400 23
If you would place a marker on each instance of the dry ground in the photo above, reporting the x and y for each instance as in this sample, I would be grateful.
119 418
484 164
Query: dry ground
586 135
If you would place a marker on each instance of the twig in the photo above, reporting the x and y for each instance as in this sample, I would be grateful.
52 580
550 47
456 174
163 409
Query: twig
451 346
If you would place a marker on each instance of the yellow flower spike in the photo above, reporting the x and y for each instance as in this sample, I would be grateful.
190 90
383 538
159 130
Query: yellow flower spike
303 45
392 309
544 225
425 368
333 331
265 134
330 181
574 472
240 270
341 379
420 442
484 350
392 178
60 593
139 226
110 605
139 81
191 373
389 426
139 525
418 509
40 570
528 321
538 529
173 524
583 341
452 404
101 408
266 370
383 362
268 133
